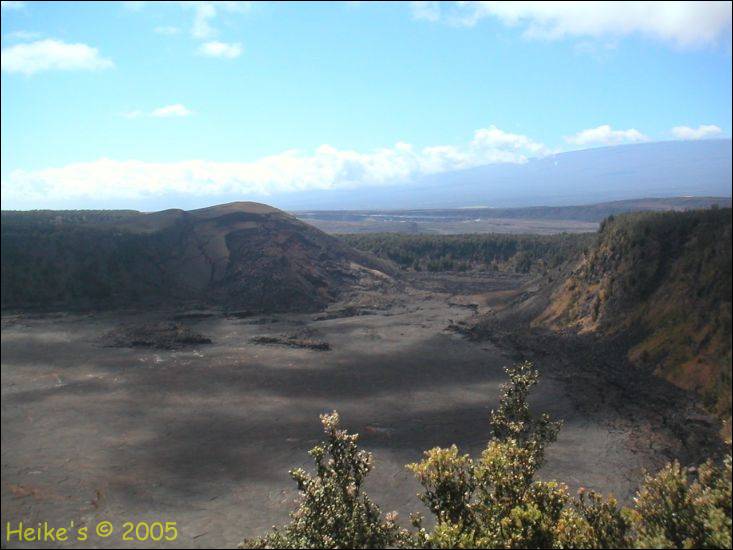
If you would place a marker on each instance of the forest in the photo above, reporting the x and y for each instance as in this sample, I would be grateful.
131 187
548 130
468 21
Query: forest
493 252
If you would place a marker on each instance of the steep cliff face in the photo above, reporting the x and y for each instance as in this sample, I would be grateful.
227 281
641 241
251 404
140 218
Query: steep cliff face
664 281
243 255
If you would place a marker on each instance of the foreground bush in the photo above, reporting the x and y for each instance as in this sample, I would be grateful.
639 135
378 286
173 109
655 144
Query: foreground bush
495 501
333 511
672 512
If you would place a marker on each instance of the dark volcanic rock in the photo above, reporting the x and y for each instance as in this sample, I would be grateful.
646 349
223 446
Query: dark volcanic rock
293 342
159 336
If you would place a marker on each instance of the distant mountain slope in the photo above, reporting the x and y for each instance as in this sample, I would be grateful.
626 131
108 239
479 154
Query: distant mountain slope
661 169
472 220
663 280
243 255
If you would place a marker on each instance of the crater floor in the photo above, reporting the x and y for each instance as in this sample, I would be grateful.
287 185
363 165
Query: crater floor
205 435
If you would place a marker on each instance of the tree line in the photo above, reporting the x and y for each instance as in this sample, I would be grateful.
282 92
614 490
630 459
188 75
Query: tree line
497 252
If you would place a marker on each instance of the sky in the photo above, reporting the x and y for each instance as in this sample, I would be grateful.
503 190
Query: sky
126 104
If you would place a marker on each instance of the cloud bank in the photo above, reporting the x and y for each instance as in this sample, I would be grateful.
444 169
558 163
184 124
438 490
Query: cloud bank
324 168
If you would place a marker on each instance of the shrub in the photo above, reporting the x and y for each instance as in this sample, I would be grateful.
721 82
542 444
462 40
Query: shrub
673 512
495 501
333 511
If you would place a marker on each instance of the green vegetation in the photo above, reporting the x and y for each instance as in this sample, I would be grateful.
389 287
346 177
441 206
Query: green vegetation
664 281
59 217
247 254
514 253
334 511
496 502
48 264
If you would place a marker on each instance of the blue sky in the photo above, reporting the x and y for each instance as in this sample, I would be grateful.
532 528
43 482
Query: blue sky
120 102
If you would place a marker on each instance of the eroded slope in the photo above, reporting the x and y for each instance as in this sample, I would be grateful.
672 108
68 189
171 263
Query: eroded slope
663 281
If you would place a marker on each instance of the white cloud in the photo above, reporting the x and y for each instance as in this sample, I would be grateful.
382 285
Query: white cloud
684 24
8 5
48 54
221 49
171 110
494 138
206 12
324 168
703 131
605 135
204 15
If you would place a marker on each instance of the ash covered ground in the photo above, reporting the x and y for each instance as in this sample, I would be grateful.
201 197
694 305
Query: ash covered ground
204 433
